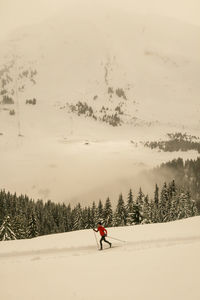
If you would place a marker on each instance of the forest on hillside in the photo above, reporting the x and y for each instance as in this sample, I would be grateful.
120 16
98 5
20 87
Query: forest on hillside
176 142
22 217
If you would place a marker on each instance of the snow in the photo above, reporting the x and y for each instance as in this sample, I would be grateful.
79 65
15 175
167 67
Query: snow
155 59
63 157
158 261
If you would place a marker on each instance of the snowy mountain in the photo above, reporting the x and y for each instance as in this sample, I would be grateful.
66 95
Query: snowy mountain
134 66
79 86
157 261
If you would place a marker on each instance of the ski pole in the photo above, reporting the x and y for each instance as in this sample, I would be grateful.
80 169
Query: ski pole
96 240
116 239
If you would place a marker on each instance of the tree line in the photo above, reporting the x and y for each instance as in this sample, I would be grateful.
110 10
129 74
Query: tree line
185 173
176 142
22 217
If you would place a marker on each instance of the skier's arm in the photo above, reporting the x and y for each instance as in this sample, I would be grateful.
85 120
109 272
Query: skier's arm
96 230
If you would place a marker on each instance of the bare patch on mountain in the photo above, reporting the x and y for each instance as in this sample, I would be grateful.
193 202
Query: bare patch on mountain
164 58
15 77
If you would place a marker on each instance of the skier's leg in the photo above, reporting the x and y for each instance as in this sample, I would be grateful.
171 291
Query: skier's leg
104 238
101 246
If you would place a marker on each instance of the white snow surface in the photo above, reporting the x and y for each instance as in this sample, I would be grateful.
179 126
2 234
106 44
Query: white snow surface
157 261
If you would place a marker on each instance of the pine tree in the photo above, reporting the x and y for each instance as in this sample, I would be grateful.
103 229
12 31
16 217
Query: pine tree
3 204
94 215
83 219
58 218
6 231
185 206
39 211
194 208
77 218
138 215
154 206
173 213
20 226
68 218
48 224
120 217
164 203
33 227
100 211
188 205
140 198
172 189
130 209
156 196
146 211
108 213
89 220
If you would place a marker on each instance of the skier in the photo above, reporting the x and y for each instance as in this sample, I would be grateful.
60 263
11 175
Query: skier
103 233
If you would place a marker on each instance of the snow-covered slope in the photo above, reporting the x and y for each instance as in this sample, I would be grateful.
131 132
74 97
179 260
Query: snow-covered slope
137 71
159 261
147 65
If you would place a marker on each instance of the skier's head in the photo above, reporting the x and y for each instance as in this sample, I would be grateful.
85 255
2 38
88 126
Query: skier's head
99 223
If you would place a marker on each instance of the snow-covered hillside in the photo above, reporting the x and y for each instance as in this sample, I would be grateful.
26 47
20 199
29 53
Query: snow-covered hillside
158 261
101 77
140 67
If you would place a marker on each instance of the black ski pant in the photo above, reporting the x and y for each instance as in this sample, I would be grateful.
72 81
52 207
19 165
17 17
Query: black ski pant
103 238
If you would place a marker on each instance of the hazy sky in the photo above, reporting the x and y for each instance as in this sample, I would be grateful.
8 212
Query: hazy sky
16 13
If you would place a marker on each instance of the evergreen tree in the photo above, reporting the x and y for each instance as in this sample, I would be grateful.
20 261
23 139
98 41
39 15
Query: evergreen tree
100 211
188 205
108 213
155 206
173 213
48 224
146 211
57 212
172 189
33 227
164 204
130 208
185 206
156 196
77 218
140 198
84 219
94 215
120 218
6 231
89 221
20 226
194 208
138 215
68 218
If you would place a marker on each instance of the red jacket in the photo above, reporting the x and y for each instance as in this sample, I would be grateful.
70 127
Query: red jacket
102 230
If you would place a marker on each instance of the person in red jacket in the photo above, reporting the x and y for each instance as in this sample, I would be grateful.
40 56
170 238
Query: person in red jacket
103 233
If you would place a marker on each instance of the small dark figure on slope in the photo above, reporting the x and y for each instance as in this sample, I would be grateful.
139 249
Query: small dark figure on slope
103 233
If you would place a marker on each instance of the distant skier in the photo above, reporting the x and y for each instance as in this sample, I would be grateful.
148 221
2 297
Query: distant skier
103 233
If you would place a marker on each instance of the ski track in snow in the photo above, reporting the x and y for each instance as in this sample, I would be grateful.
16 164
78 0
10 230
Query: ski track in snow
69 266
88 250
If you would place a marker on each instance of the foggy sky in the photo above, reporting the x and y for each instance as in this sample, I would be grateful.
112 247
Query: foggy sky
17 13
